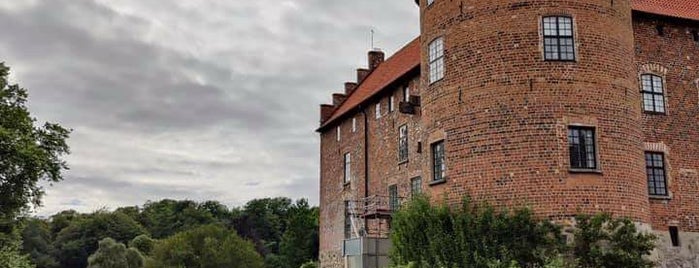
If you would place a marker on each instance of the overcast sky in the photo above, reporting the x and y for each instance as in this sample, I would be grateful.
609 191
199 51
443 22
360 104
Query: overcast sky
200 100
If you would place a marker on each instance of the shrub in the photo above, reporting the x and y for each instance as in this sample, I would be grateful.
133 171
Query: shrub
602 241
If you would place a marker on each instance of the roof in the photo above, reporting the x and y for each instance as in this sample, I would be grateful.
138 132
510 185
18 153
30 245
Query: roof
408 58
395 67
685 9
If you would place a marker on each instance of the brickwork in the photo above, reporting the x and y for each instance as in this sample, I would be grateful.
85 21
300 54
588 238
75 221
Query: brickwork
503 113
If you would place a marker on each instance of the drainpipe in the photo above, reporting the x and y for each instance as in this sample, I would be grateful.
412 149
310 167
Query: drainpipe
366 164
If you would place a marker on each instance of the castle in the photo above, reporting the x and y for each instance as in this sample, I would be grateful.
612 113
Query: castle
576 106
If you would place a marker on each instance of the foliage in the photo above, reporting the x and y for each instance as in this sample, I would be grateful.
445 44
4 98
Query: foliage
11 257
30 153
80 239
207 246
168 217
472 236
143 243
112 254
263 221
602 241
310 264
36 241
300 240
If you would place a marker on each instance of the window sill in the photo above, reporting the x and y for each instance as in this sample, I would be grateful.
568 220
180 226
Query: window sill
660 197
562 61
346 185
584 171
402 162
435 183
654 113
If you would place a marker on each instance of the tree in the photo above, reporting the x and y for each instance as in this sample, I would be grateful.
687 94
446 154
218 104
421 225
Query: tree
30 153
80 239
209 246
10 257
143 243
299 243
112 254
167 217
37 242
602 241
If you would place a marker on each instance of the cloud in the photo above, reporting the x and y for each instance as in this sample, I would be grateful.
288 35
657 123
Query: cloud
190 99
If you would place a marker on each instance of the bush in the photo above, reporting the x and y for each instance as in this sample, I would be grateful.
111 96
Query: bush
142 243
10 257
112 254
602 241
310 264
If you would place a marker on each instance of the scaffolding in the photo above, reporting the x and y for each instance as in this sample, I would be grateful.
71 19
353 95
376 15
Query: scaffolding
371 216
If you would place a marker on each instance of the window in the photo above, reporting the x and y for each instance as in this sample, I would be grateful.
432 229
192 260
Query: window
391 104
436 57
583 154
416 186
339 135
655 170
558 39
403 144
348 168
653 93
378 110
354 124
393 202
439 166
675 236
429 2
348 220
406 94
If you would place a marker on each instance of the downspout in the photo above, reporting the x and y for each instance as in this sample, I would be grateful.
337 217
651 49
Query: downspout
366 164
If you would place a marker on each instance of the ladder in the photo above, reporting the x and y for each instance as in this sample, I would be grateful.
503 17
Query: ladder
357 224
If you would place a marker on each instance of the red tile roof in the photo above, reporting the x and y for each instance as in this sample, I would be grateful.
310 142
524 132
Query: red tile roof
395 67
408 58
686 9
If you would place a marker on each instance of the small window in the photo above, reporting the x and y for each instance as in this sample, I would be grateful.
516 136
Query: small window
391 103
695 35
439 167
581 142
416 186
429 2
339 134
348 168
675 236
378 110
354 124
393 202
348 220
558 39
436 57
403 143
406 94
655 170
653 91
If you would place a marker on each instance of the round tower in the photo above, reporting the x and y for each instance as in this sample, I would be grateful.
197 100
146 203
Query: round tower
524 84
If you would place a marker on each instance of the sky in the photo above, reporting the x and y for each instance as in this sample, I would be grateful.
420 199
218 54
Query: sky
198 100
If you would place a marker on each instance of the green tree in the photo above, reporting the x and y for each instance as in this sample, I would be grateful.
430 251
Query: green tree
167 217
37 242
264 221
209 246
143 243
112 254
30 153
11 257
602 241
299 243
80 239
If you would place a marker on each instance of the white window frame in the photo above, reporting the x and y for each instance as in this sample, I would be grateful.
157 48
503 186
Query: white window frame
354 124
378 110
436 60
339 134
406 94
391 103
347 168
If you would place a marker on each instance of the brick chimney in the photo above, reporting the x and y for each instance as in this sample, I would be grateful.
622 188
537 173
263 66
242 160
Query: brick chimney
326 110
362 74
376 57
350 87
338 99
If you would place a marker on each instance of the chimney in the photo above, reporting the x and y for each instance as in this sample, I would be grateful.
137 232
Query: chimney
376 57
350 87
338 99
326 110
362 74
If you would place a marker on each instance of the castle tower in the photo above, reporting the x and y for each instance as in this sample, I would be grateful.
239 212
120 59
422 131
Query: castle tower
512 87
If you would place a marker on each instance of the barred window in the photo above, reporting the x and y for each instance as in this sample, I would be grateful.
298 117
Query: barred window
436 57
653 91
348 167
583 154
416 186
348 220
558 39
393 202
655 170
403 143
439 167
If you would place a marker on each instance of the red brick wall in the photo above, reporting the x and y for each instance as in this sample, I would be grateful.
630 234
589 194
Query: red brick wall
676 57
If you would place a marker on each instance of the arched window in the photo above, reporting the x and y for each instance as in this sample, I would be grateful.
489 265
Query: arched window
653 90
